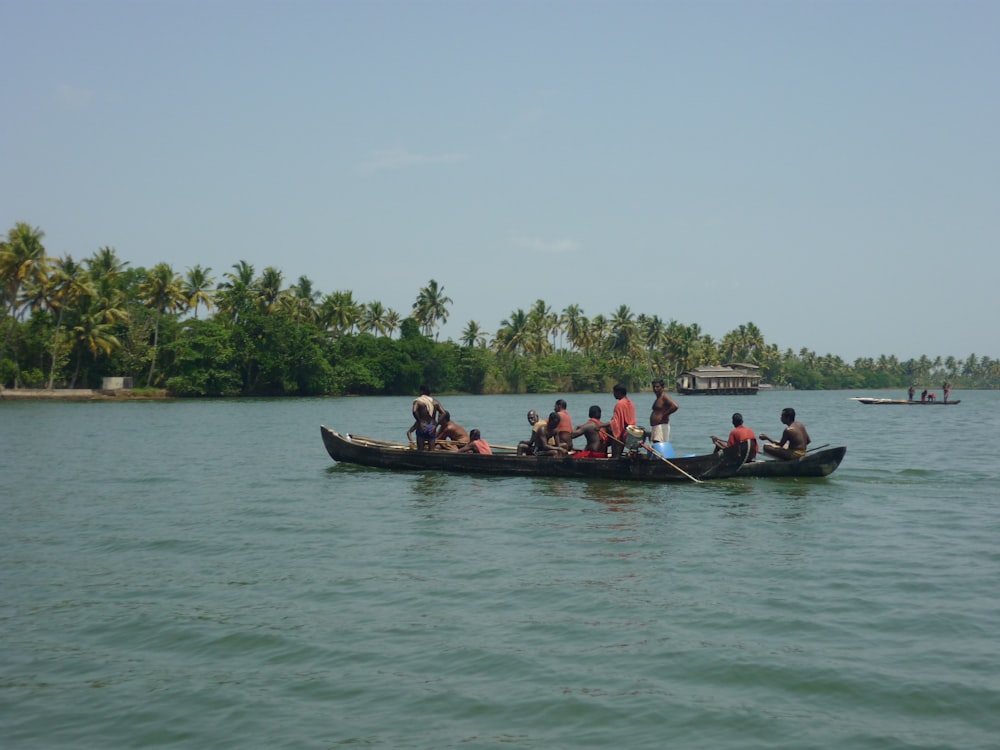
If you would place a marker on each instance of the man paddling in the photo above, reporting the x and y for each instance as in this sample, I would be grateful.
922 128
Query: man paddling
793 440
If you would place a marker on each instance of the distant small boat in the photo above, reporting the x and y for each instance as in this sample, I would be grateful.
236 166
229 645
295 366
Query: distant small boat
903 402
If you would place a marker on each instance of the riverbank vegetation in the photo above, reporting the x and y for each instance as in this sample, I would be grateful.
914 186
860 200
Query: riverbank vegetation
68 324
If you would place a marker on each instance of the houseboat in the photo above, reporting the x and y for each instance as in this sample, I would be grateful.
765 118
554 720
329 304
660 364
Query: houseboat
735 378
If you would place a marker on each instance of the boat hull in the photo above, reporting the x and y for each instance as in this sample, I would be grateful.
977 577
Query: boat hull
903 402
363 451
818 464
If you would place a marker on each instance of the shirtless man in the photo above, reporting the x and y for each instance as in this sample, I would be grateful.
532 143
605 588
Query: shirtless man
793 440
593 430
564 438
426 410
663 407
448 430
543 438
526 447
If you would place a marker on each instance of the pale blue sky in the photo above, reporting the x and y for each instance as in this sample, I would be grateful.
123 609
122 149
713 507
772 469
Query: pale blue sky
827 170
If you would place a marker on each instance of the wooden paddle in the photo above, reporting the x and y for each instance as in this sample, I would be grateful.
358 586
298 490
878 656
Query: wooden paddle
674 466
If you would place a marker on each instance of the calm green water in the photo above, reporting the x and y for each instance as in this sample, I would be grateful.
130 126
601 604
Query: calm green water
201 575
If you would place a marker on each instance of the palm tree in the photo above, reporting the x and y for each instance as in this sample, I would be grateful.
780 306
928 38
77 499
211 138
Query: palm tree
68 285
22 262
269 289
196 289
373 318
92 333
236 295
302 299
576 325
431 307
625 341
513 335
106 276
392 322
473 335
161 292
339 312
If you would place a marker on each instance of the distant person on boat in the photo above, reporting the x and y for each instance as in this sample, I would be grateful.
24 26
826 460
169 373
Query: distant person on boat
910 393
564 438
946 387
737 435
543 440
931 396
476 444
663 407
923 396
793 440
426 410
622 417
594 432
450 431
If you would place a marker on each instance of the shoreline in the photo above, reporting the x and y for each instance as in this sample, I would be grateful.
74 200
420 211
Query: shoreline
80 394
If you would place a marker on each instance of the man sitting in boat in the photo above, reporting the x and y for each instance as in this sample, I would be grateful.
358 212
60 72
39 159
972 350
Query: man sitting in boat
476 444
594 432
543 437
450 431
737 435
793 440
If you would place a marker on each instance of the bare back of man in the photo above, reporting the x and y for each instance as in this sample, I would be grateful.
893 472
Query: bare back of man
450 435
593 430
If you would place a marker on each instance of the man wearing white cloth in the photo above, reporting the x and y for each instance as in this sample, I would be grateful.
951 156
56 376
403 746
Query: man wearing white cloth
663 407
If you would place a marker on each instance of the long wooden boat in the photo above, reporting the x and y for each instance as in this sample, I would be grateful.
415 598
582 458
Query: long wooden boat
819 463
643 467
903 402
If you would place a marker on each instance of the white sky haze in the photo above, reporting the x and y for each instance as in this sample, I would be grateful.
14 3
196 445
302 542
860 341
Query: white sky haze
829 171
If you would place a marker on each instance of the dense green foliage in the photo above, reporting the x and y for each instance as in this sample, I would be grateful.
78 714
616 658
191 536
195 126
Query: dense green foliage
70 324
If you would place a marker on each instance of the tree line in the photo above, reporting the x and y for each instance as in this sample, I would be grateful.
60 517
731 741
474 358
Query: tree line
69 324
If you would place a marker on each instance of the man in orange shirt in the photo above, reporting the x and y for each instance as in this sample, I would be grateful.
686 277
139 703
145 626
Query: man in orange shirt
738 434
622 417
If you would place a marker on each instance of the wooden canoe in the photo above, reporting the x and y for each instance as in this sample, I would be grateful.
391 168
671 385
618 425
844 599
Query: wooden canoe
903 402
642 467
817 464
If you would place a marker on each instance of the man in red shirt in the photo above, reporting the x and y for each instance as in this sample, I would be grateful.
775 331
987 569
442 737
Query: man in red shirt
738 434
622 417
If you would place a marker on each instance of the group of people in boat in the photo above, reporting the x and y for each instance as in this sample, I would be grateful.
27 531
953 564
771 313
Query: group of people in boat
926 395
434 429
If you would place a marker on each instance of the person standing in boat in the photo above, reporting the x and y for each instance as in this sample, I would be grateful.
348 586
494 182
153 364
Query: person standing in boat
622 417
663 407
594 432
793 440
738 434
476 444
946 387
563 438
450 431
923 396
910 393
426 410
